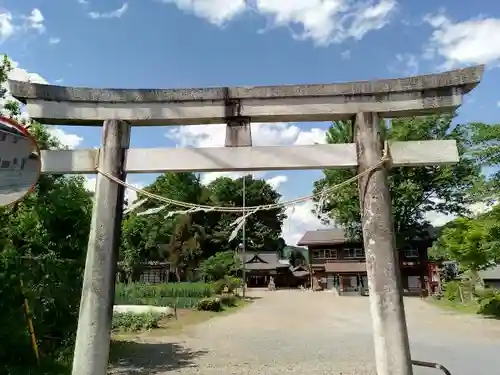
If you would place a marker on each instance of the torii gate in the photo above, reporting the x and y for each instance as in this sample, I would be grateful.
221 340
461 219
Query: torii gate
365 102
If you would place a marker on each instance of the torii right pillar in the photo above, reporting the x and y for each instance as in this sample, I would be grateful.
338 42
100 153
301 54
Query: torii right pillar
392 349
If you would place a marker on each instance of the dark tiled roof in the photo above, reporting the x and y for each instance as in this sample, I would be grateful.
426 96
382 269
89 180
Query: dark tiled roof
338 236
262 261
323 237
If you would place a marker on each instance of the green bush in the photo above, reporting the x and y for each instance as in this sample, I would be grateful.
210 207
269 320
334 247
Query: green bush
489 302
232 283
135 322
210 304
229 300
451 290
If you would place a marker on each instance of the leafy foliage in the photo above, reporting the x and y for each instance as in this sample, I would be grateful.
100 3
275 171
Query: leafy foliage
210 304
489 302
414 191
187 240
43 241
486 150
227 285
473 242
220 265
130 322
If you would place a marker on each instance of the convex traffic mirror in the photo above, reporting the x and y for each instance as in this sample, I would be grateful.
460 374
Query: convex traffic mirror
20 162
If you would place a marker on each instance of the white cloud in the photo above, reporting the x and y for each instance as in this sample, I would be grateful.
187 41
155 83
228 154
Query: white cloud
300 220
66 139
6 25
322 21
345 55
117 13
11 24
54 40
35 21
263 134
277 181
437 219
474 41
217 12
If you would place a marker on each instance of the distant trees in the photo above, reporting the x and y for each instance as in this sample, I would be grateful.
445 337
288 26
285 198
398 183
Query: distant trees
185 240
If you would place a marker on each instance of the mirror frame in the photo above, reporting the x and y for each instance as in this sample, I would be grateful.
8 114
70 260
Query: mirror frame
25 132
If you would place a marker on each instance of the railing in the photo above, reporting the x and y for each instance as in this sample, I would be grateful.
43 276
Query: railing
431 365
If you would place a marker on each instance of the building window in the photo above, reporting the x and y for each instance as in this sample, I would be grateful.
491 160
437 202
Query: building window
354 253
325 254
411 253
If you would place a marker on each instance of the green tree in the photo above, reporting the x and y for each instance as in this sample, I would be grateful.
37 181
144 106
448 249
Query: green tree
263 228
472 242
220 265
145 237
414 191
485 140
184 250
43 241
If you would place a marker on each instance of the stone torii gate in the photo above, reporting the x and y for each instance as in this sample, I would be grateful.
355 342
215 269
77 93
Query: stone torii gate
367 102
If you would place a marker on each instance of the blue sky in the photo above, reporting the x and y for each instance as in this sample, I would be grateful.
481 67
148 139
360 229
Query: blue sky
198 43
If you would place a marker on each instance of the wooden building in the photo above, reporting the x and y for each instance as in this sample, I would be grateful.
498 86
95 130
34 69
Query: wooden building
340 263
261 266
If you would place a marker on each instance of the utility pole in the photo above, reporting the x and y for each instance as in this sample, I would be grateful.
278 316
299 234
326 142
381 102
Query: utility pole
243 236
239 134
392 349
96 306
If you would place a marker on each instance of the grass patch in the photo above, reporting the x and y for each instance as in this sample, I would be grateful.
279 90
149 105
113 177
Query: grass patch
130 322
464 308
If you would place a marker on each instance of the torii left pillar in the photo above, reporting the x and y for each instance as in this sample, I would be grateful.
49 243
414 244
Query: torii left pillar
96 306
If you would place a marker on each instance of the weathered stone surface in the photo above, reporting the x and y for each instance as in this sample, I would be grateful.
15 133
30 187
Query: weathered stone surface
466 78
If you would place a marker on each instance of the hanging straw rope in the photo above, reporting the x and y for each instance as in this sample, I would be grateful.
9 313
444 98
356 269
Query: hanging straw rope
245 211
200 207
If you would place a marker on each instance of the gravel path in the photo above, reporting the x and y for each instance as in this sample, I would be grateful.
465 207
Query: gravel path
295 332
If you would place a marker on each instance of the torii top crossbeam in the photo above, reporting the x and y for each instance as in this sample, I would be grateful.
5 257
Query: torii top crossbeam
410 96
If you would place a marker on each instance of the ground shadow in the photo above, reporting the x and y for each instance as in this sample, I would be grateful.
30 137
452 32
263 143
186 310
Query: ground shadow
142 358
252 298
492 317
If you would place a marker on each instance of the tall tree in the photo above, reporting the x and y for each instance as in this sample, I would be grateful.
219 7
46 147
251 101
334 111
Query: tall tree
414 191
472 242
150 237
485 140
184 249
263 228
